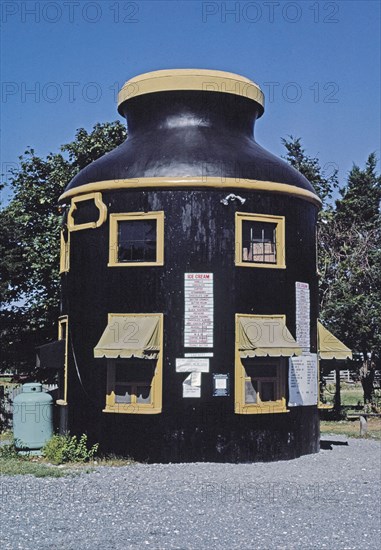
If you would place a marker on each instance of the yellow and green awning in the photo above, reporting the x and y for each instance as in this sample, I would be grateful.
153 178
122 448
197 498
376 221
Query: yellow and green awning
129 336
330 347
265 336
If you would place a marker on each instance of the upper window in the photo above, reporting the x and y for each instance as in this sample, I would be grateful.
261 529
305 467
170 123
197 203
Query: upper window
260 241
87 212
136 239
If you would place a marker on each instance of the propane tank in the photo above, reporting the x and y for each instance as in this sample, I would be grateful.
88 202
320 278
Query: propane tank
32 418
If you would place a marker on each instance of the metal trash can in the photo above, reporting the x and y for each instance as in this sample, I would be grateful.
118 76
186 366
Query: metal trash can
32 418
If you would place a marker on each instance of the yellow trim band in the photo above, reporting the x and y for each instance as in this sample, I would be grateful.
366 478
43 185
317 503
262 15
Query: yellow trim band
254 185
191 79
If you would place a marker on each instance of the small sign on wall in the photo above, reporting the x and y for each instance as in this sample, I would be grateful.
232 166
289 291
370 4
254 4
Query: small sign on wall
192 385
221 385
192 365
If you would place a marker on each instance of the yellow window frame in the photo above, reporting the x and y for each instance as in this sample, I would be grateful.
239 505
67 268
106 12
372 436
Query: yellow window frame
97 198
279 221
240 376
64 252
155 406
63 334
131 216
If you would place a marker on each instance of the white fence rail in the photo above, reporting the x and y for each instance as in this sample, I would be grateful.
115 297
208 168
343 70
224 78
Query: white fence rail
345 375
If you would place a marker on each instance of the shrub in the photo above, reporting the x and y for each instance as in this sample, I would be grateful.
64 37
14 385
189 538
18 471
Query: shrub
8 450
66 448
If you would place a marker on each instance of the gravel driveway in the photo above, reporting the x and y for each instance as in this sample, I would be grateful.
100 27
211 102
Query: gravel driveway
329 500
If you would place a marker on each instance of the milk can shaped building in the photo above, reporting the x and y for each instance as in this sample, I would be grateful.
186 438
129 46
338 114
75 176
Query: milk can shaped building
189 287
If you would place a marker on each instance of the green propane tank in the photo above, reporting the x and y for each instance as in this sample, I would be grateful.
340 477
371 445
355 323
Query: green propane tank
32 418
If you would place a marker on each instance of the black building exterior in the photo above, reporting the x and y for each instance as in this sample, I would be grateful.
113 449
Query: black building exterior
189 285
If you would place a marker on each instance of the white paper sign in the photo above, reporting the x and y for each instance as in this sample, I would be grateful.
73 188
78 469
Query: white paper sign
192 365
199 354
302 293
220 383
199 310
192 385
303 380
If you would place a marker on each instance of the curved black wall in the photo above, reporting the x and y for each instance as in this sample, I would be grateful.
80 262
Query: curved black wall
199 236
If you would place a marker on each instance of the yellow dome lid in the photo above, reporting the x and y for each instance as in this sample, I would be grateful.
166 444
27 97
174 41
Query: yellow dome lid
190 79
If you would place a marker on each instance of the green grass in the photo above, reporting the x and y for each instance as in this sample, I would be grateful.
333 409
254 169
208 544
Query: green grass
23 466
351 395
11 463
351 428
37 466
6 436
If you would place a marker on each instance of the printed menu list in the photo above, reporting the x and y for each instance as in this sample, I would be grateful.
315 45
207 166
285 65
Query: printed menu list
302 380
302 291
198 290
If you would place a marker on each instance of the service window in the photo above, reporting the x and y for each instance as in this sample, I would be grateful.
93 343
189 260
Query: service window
260 241
133 386
263 383
136 239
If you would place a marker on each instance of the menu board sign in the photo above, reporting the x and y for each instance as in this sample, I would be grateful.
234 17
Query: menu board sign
302 292
303 380
198 329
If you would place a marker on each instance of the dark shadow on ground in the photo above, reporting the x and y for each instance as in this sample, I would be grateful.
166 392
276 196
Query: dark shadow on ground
326 444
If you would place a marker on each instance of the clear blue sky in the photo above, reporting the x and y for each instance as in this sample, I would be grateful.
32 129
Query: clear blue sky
318 64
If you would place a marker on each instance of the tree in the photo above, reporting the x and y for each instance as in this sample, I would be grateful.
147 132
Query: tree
350 262
29 242
323 183
349 257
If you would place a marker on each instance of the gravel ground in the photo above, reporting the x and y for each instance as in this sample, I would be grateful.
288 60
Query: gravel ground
328 500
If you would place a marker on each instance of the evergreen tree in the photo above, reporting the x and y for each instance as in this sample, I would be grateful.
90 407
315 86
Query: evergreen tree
323 183
349 257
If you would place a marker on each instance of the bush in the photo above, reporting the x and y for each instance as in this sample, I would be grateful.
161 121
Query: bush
8 450
66 448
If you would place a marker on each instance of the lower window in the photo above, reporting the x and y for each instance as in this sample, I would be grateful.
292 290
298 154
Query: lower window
133 386
261 385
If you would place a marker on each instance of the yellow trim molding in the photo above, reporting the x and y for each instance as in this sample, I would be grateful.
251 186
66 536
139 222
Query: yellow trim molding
131 216
155 406
63 334
97 198
279 236
202 181
64 251
191 79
